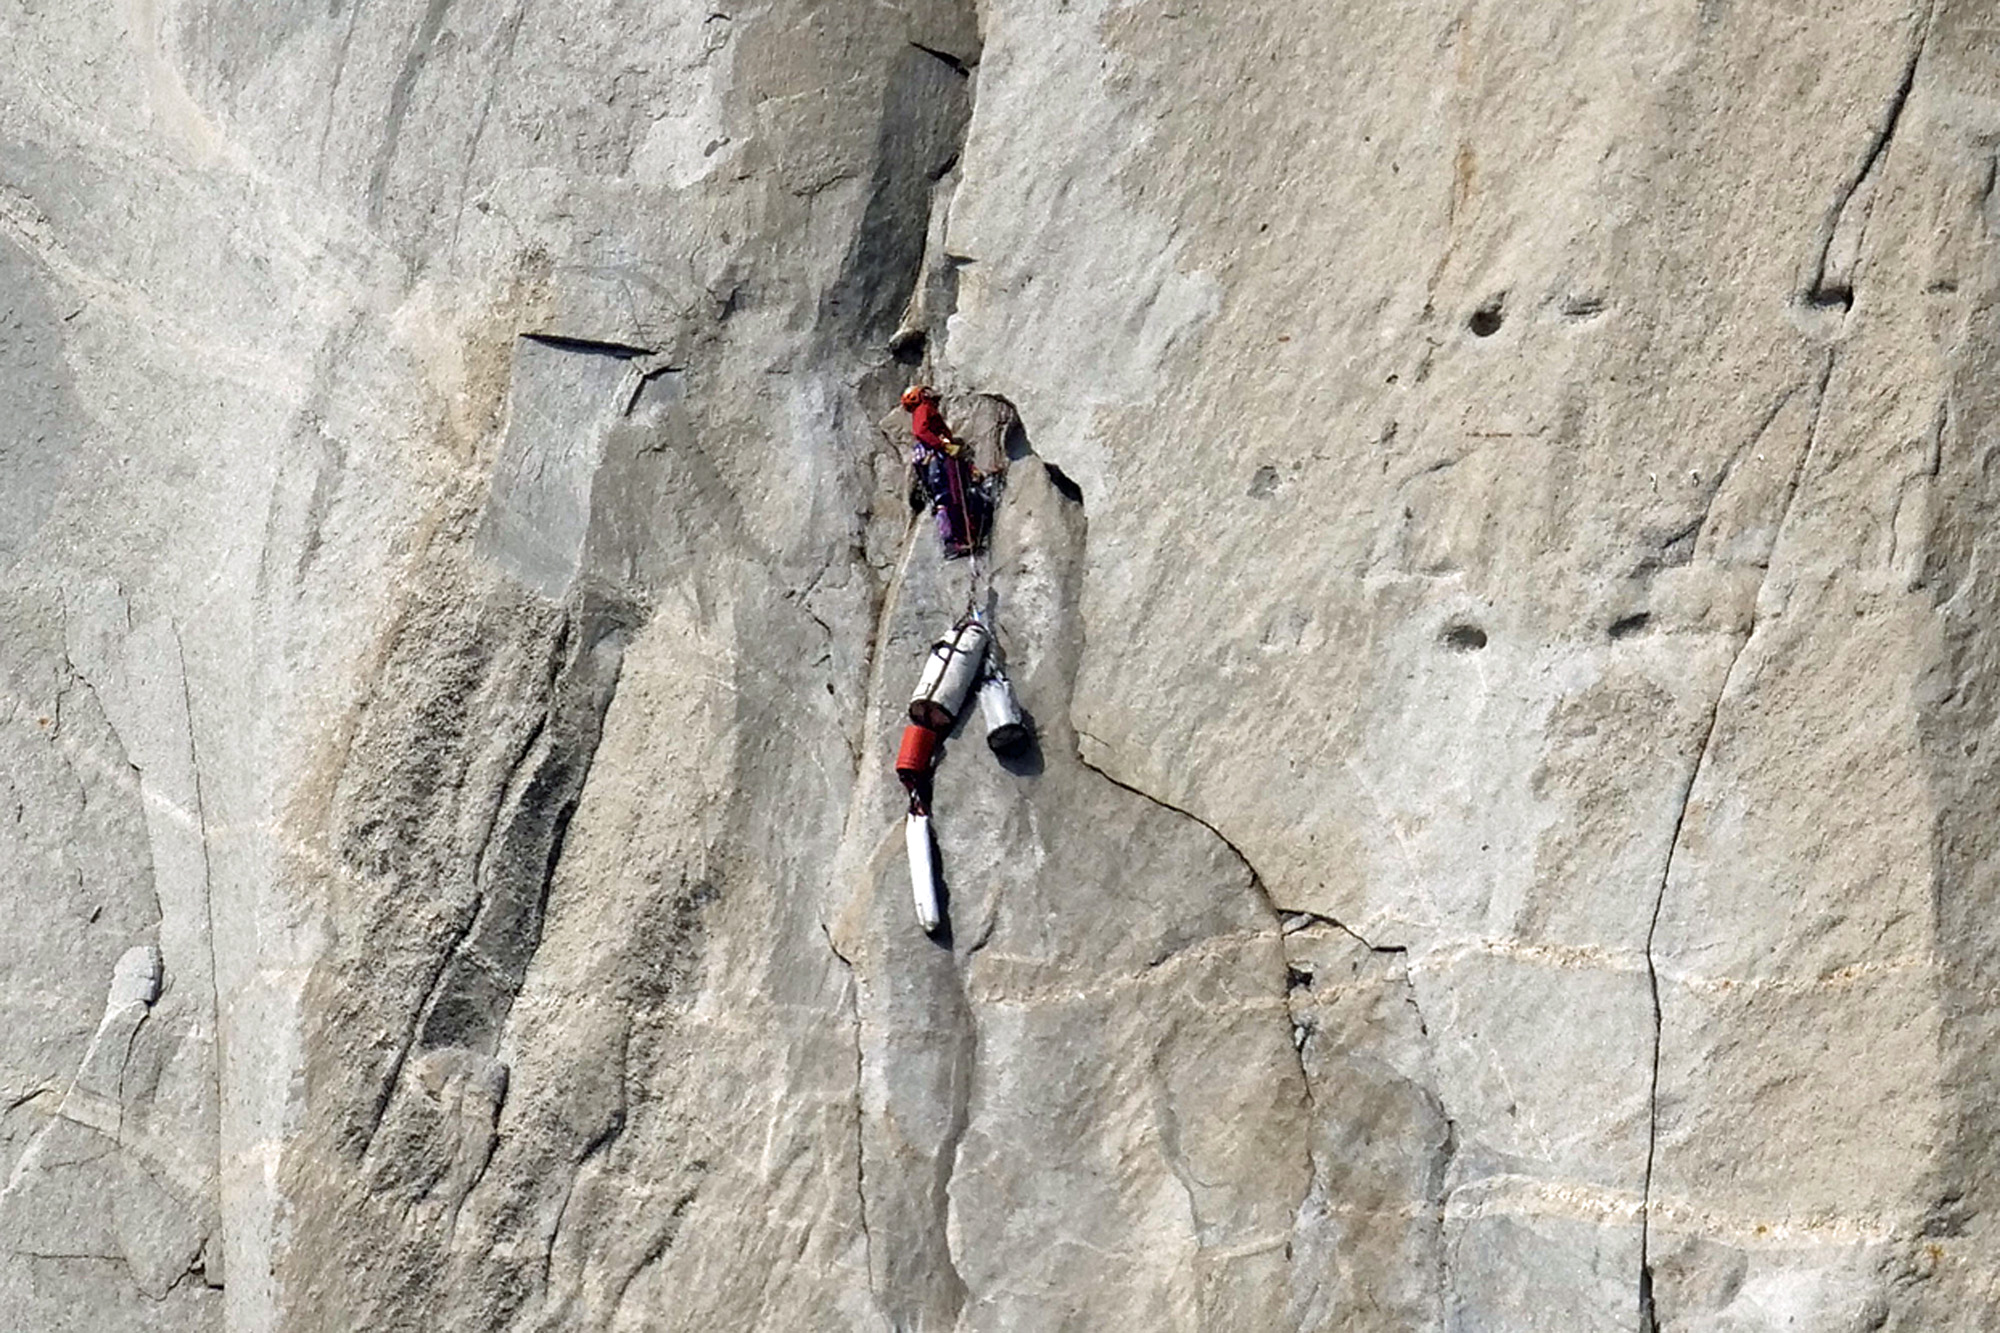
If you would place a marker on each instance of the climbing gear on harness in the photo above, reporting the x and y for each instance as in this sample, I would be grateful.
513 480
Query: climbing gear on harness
945 490
949 673
1006 728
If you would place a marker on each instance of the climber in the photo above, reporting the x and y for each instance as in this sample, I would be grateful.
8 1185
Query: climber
948 475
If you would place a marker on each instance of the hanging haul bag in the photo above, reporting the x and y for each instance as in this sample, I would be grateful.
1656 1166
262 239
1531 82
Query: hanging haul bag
1006 728
917 756
923 870
950 671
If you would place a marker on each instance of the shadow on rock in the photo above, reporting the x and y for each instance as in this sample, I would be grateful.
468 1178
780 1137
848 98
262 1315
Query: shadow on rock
1023 758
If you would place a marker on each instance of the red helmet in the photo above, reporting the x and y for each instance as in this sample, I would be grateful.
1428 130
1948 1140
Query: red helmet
915 394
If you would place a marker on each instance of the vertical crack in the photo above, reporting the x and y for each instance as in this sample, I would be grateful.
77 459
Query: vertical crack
954 1134
1648 1319
599 1145
207 874
860 1121
874 670
1831 285
421 45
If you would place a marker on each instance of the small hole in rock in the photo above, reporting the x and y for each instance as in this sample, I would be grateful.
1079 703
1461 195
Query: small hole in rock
1464 638
1486 320
908 346
1068 489
1626 626
1263 481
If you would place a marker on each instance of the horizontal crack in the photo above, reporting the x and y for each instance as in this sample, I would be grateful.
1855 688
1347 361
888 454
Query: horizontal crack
1294 922
587 346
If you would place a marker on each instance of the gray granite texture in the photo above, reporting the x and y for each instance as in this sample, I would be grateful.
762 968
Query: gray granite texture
1498 544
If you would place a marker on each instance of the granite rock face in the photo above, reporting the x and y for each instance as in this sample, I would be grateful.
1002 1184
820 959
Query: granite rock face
1497 545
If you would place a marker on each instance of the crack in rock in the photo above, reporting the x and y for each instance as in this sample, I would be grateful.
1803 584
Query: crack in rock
1288 923
1648 1317
1831 285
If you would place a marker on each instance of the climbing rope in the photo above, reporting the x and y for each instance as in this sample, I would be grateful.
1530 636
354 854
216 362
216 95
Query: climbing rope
955 470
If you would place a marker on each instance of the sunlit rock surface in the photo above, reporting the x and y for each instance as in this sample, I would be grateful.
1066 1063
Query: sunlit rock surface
1497 543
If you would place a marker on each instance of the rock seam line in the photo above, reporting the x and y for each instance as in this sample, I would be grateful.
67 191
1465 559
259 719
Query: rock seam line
1278 920
1648 1318
1842 293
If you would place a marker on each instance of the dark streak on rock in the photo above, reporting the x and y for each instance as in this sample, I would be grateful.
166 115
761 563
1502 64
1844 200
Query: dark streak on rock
958 66
428 29
1626 626
587 346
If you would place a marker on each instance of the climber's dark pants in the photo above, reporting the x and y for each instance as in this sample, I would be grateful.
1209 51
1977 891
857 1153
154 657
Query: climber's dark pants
949 482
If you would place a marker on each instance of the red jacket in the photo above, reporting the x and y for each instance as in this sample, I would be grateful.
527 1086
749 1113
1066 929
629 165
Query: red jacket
927 424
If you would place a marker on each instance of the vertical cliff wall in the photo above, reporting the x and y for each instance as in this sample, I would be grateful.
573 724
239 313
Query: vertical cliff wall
1495 544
